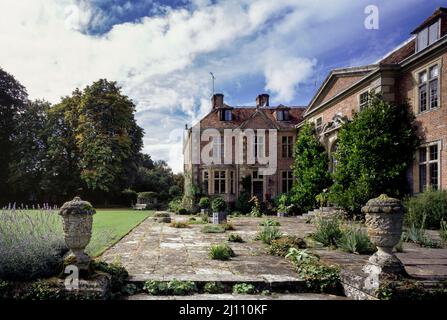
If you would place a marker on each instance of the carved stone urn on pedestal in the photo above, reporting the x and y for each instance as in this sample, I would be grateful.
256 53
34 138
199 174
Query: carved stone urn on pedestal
78 219
384 219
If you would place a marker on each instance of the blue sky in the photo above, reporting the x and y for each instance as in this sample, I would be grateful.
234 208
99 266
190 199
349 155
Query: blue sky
161 52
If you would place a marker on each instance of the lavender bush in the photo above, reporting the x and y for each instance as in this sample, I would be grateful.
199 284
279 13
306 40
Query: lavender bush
31 242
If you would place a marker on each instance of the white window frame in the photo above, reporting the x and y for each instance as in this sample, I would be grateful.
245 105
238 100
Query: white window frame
222 176
427 164
428 41
426 85
318 127
363 105
204 178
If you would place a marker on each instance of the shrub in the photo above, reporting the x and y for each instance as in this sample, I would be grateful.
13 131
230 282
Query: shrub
242 203
280 247
443 231
173 287
175 205
31 244
270 222
117 272
319 277
229 226
244 288
179 224
182 211
355 240
426 210
234 237
147 197
204 203
418 236
328 231
213 228
219 204
129 197
213 288
282 203
255 210
309 169
221 252
236 214
268 233
199 219
161 215
363 172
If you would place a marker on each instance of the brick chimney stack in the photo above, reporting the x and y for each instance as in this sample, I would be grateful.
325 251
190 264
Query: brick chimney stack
217 100
262 100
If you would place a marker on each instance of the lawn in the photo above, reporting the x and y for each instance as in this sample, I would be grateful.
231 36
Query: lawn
109 226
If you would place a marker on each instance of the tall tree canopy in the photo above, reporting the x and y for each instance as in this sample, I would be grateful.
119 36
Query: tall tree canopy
310 169
373 155
13 98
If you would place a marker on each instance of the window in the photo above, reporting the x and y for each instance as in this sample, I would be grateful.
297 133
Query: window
428 36
232 182
287 181
318 124
226 115
218 147
363 100
428 88
287 146
205 182
428 167
219 182
282 115
259 146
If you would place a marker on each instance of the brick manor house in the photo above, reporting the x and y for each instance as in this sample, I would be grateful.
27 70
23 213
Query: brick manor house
415 72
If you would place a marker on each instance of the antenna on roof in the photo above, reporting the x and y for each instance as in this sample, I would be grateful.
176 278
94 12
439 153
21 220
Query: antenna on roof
212 79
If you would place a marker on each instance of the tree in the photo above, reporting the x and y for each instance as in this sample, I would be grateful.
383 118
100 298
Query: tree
374 153
108 138
30 151
310 169
13 97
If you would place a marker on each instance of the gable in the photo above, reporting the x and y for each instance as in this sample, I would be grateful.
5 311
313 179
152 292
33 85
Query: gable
258 120
339 84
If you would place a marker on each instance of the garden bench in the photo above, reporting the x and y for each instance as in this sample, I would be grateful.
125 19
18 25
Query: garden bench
140 206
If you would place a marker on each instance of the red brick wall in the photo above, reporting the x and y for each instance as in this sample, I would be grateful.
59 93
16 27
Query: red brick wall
432 125
339 85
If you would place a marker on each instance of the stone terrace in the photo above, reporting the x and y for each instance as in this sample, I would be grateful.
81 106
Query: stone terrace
157 251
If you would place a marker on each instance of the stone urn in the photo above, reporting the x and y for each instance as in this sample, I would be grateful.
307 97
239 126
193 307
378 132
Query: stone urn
78 219
384 219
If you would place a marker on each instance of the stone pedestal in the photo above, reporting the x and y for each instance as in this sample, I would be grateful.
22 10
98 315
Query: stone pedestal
219 217
78 219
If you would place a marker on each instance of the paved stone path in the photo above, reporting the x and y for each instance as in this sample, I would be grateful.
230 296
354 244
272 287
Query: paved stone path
157 251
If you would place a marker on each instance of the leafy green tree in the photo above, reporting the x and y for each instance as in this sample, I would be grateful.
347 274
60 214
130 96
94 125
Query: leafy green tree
107 136
13 97
310 169
62 177
30 151
373 155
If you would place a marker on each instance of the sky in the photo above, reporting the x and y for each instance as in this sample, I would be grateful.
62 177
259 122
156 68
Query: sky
162 52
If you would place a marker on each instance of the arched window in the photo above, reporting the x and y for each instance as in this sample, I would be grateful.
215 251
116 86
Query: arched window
333 164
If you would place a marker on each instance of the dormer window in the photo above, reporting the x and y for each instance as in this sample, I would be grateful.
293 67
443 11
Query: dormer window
428 35
282 115
226 115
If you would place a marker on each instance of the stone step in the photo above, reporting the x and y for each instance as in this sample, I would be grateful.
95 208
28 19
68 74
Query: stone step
272 283
229 296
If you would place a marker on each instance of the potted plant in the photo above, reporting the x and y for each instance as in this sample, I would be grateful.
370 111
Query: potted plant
283 209
204 204
219 207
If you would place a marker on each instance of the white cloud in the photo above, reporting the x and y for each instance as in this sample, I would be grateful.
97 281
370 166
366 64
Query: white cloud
163 61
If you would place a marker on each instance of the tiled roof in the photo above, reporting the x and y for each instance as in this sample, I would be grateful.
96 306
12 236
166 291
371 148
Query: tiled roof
400 53
242 114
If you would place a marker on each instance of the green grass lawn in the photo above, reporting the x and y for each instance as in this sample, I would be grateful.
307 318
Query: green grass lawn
110 225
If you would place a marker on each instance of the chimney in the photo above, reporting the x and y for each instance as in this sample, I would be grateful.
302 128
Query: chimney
262 100
217 100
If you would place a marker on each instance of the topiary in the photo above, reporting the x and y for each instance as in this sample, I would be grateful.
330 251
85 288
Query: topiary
204 203
219 205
